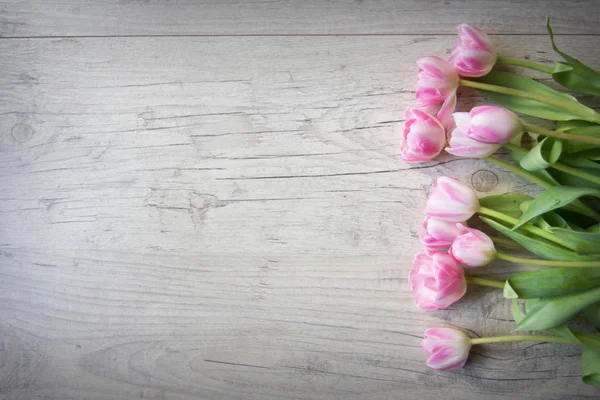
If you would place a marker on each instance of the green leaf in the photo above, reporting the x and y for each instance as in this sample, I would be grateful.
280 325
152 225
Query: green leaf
538 246
516 311
581 242
574 74
540 174
564 331
508 292
508 204
551 282
590 360
589 154
566 179
592 314
567 126
551 220
542 155
581 128
553 198
594 228
585 161
552 311
529 304
578 161
555 150
575 220
589 340
527 106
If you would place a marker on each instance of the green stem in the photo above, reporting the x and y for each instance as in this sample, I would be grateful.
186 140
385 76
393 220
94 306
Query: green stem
576 172
521 338
528 227
572 106
548 263
521 172
562 135
524 63
506 242
497 215
485 282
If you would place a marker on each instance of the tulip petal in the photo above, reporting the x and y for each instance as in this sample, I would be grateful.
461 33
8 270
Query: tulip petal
437 79
448 348
423 137
473 54
493 125
462 120
462 145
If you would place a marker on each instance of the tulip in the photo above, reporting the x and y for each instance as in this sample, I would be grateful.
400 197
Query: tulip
437 280
451 200
472 247
423 138
490 124
449 348
461 144
438 234
473 54
436 81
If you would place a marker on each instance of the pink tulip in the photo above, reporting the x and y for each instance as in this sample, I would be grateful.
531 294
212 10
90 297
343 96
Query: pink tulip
437 280
449 348
423 138
473 54
438 234
437 80
491 124
472 247
451 200
461 144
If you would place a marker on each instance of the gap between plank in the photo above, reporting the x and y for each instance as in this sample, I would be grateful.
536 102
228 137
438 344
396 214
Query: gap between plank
278 35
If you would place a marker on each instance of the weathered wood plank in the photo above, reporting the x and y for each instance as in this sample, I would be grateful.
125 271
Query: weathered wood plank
186 130
156 17
103 324
227 218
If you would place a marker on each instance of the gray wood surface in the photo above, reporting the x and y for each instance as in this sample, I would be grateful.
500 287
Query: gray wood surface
226 217
258 17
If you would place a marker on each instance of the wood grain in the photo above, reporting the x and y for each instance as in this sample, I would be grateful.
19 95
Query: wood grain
123 139
227 218
156 17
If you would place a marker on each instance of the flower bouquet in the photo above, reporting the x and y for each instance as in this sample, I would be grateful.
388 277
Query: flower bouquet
560 227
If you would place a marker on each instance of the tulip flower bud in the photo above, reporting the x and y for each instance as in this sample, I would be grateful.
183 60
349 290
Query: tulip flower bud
448 348
492 124
437 80
423 138
461 144
437 280
473 54
439 234
451 200
472 247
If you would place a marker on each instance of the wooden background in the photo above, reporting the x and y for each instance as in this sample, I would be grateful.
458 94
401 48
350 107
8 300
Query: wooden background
204 200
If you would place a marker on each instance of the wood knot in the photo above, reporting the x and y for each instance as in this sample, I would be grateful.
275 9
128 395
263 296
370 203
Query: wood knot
22 132
484 180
